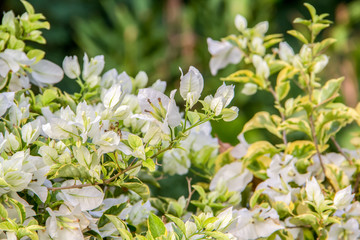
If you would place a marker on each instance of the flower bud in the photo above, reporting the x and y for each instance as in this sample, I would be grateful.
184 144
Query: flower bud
71 67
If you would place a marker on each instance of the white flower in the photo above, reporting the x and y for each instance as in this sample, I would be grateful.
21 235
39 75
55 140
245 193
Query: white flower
225 93
12 60
66 223
112 96
222 53
87 198
285 167
321 63
276 189
258 223
125 81
261 28
141 79
45 72
313 192
159 86
257 45
286 53
108 141
343 198
59 129
13 176
92 68
71 67
229 114
240 23
234 175
249 89
191 85
262 68
176 161
31 131
6 101
349 230
158 107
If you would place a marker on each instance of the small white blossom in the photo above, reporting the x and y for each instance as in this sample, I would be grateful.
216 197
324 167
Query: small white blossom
92 68
313 192
191 85
71 67
343 198
240 23
222 53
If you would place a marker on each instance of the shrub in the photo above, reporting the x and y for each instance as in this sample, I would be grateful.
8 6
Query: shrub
76 166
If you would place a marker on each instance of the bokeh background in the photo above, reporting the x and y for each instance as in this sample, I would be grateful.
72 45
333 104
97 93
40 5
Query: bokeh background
158 36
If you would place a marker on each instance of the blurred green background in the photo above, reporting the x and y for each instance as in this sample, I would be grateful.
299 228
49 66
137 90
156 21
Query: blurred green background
158 36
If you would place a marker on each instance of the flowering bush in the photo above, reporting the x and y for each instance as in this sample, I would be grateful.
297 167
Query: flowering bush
79 166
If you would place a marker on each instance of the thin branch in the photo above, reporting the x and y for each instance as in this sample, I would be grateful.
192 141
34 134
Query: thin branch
356 185
272 91
191 192
107 181
338 147
314 137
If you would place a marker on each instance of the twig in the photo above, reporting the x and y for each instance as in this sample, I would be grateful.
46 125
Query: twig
341 151
107 181
281 113
314 138
357 182
190 192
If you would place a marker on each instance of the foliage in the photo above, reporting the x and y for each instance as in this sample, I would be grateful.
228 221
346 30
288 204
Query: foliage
82 165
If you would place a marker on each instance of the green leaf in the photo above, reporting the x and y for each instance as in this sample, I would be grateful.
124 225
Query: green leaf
260 148
29 8
320 46
8 225
134 141
223 158
217 235
308 218
3 212
48 96
282 84
120 226
156 226
264 120
20 209
193 117
139 188
298 35
311 10
3 82
36 53
68 170
301 149
254 198
114 210
149 163
178 222
330 89
296 124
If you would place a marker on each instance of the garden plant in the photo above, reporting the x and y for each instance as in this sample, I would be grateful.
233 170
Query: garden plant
87 165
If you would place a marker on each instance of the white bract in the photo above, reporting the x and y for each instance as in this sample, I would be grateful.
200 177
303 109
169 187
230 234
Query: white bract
71 67
240 23
45 73
191 86
222 53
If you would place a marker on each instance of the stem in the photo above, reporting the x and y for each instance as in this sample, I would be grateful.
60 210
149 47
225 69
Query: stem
314 137
190 192
341 151
107 181
271 89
